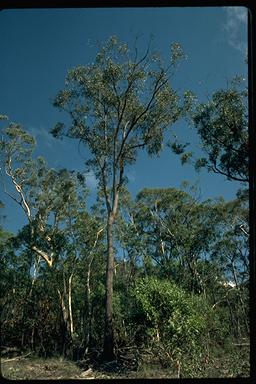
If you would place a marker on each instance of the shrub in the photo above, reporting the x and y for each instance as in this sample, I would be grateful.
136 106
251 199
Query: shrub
168 319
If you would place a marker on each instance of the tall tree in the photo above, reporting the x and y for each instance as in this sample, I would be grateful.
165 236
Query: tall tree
119 104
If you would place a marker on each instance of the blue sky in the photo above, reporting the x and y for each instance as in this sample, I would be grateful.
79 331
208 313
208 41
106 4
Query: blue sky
39 46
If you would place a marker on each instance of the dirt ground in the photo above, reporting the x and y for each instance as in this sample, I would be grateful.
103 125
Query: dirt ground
26 368
29 368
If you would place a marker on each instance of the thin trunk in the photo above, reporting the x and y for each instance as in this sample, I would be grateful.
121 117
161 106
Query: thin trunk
36 268
245 317
157 333
233 321
22 339
108 348
70 306
88 296
178 365
32 338
25 206
234 274
245 314
63 308
89 307
66 328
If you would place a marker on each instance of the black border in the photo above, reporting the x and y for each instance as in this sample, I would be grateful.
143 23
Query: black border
251 6
8 4
252 180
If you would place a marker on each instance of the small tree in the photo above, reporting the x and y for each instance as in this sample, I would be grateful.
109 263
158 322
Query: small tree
119 104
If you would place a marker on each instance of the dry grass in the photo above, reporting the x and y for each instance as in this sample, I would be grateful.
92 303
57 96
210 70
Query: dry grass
35 368
29 368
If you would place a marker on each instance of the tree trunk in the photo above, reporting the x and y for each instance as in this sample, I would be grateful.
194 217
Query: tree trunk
89 308
88 327
66 328
71 323
32 338
108 348
245 316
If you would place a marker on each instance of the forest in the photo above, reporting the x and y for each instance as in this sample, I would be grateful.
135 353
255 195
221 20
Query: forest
151 286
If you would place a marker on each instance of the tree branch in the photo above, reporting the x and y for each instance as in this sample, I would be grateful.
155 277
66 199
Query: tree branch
48 259
136 119
217 170
18 188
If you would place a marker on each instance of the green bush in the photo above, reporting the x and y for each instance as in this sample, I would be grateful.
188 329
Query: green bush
170 321
168 311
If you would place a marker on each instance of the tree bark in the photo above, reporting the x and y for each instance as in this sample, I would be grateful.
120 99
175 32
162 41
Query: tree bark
70 306
89 309
88 328
108 347
245 316
66 328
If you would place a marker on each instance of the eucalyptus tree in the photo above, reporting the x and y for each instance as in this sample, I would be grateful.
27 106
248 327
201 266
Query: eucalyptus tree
6 277
231 252
51 200
200 246
87 230
222 125
118 105
183 234
176 232
45 195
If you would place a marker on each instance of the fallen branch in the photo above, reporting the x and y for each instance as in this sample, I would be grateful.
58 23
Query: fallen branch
17 358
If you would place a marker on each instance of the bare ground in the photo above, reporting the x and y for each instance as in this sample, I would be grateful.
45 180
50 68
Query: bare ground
20 368
29 367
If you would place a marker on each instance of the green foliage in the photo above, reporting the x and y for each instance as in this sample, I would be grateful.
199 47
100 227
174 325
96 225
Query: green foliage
121 102
200 163
186 157
165 308
176 53
222 125
4 117
178 148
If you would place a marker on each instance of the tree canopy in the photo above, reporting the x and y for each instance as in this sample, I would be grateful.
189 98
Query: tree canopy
222 125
